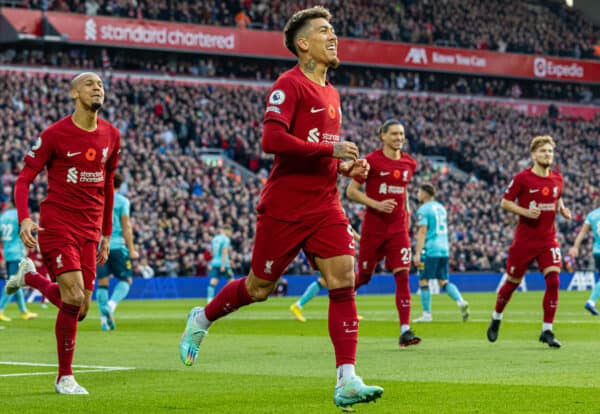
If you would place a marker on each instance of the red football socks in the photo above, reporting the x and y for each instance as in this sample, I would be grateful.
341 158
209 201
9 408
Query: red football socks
343 325
551 296
402 296
66 331
49 289
232 297
504 295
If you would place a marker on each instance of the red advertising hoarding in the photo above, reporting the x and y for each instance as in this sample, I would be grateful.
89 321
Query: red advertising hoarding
99 30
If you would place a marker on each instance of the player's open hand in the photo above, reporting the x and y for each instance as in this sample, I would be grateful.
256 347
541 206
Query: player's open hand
565 212
386 206
27 232
345 150
533 213
103 250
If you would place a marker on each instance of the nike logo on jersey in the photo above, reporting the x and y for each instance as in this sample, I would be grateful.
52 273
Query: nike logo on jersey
534 190
313 110
72 154
384 173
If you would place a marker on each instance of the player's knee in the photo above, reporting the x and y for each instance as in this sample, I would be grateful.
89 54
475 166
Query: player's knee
443 284
73 295
81 316
513 279
424 284
260 292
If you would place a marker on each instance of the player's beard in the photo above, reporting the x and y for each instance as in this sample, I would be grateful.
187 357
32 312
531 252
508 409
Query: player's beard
333 63
95 106
544 164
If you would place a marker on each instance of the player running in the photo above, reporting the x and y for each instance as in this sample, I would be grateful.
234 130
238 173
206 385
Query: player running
122 251
534 195
81 154
384 231
299 207
592 222
433 236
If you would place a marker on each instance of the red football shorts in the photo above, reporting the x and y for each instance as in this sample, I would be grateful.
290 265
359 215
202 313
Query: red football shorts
374 247
520 257
278 242
65 252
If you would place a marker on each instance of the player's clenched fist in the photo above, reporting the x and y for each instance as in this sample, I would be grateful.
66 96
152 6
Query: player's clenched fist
386 206
345 149
533 213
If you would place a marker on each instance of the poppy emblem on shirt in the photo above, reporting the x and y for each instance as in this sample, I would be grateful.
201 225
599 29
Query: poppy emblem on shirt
90 154
331 111
396 173
545 191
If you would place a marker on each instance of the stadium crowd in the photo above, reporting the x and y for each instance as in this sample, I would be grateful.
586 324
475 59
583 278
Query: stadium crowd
226 67
179 201
523 27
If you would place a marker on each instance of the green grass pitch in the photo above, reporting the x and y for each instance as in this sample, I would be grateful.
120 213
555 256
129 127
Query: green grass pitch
260 360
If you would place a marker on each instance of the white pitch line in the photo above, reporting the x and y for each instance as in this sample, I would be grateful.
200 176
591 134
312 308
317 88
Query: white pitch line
87 368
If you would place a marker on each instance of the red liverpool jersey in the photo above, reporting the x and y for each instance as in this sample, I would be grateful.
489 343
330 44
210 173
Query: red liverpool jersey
530 190
77 162
300 186
387 179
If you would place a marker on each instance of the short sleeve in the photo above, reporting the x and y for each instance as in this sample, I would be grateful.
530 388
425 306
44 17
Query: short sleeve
513 190
40 153
421 217
113 161
125 208
282 102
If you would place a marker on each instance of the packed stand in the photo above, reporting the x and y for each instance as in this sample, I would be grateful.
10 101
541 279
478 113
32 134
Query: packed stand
256 70
522 27
178 201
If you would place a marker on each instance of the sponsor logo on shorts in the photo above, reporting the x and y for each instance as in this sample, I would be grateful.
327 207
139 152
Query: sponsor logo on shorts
59 262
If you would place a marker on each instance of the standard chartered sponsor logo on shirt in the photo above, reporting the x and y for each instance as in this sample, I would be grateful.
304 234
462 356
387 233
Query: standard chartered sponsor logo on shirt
390 189
74 176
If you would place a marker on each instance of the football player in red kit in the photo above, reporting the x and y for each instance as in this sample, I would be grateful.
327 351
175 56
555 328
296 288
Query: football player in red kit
80 152
299 207
384 232
534 195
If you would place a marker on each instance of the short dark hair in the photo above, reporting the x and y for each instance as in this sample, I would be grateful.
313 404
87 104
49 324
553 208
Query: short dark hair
297 22
387 124
428 188
118 180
